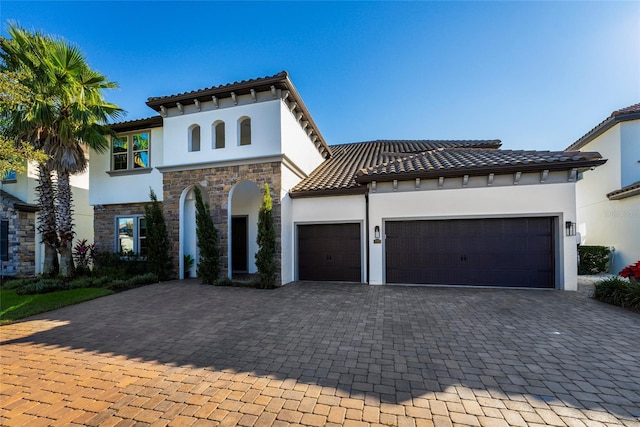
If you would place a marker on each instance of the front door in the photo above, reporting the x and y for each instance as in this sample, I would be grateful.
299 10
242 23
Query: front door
239 236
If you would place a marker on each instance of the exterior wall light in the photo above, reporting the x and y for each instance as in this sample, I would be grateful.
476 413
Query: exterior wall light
376 234
570 228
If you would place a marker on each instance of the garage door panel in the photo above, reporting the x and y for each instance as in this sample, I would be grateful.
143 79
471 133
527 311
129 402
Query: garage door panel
496 251
329 252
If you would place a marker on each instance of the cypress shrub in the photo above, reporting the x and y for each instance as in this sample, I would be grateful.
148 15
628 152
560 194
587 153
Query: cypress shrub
208 268
158 246
265 257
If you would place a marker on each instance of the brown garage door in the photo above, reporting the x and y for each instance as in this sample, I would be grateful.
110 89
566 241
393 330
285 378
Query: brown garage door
493 252
329 252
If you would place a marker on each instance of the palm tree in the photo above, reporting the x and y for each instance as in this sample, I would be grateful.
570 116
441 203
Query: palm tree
67 112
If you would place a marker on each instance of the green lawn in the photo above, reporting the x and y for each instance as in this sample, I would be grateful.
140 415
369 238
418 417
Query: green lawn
14 306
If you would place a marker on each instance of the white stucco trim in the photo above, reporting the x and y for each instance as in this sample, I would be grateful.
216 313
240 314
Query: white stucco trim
224 163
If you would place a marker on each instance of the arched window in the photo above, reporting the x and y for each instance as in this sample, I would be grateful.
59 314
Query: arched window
194 138
218 135
245 131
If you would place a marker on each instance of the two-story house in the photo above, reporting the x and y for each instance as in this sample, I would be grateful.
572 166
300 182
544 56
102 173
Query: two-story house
380 212
608 198
21 248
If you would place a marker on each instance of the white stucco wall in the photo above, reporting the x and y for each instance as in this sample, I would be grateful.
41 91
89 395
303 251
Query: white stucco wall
296 145
551 200
325 210
630 152
265 132
105 189
288 181
612 222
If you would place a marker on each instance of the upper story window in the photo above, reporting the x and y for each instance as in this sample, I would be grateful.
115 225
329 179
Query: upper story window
130 151
245 131
194 138
9 177
218 135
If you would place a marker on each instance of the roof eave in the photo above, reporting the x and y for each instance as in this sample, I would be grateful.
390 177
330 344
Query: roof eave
450 173
300 194
146 123
607 124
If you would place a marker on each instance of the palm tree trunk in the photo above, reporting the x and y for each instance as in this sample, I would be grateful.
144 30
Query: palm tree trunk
65 224
47 220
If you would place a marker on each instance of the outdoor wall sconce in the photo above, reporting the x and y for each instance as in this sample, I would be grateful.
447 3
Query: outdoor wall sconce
570 228
376 234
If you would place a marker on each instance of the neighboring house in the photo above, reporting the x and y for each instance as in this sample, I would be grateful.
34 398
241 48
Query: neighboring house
21 249
608 198
381 212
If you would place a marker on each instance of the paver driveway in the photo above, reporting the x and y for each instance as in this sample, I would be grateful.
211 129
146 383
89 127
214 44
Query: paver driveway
313 354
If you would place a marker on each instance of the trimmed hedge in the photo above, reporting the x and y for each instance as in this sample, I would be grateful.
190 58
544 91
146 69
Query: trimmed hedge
593 259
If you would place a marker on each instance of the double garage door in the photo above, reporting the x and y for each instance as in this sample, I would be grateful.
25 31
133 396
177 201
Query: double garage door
492 252
515 252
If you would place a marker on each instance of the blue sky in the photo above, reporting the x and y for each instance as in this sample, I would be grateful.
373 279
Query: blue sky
537 75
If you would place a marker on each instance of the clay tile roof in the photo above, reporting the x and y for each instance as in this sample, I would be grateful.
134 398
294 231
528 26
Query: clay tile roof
353 165
624 192
631 112
475 161
227 88
146 123
16 203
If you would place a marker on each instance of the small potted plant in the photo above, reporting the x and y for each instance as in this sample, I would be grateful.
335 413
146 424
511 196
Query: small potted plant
188 263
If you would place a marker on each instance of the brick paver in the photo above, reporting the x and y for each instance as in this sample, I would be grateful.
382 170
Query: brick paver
316 354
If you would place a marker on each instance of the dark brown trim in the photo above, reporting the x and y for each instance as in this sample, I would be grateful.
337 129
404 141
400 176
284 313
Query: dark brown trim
300 194
602 128
478 171
139 124
240 88
625 192
124 172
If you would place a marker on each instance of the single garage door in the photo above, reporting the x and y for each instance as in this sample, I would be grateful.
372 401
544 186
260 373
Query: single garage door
515 252
329 252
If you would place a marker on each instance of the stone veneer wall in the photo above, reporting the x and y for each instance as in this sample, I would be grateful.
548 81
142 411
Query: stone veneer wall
22 241
104 224
216 183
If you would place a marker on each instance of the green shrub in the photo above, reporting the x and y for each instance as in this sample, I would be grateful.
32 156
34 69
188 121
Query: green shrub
19 283
208 268
43 286
117 266
593 259
132 282
618 291
158 244
265 257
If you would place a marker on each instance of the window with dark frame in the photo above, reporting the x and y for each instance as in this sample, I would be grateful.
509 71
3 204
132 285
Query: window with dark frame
4 240
245 131
131 235
130 151
219 135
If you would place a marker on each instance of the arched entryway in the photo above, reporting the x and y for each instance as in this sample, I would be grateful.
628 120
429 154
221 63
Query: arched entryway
244 204
188 240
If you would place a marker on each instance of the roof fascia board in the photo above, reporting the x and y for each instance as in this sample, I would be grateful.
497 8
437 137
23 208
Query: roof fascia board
602 128
538 167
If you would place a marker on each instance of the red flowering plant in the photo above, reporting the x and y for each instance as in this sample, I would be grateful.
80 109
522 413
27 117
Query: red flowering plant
632 272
